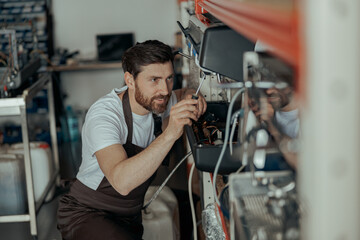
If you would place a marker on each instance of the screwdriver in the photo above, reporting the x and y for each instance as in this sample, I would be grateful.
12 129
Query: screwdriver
195 96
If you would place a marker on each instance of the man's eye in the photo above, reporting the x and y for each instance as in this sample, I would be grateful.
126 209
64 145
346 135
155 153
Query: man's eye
169 78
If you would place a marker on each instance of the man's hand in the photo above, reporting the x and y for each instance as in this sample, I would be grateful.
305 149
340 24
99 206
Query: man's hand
181 115
201 106
264 112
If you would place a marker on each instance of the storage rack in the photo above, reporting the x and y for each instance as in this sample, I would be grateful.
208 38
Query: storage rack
30 20
17 107
320 40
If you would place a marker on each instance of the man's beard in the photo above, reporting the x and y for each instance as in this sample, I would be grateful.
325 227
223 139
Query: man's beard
282 100
150 104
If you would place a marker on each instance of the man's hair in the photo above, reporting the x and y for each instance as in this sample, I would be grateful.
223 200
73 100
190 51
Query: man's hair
145 53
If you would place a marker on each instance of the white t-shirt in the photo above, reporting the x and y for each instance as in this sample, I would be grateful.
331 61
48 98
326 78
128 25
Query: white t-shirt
104 126
288 122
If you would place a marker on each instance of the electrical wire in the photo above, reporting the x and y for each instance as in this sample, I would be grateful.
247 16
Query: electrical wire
232 135
218 78
213 132
240 169
191 202
237 171
165 181
224 194
203 69
227 130
211 127
3 62
234 118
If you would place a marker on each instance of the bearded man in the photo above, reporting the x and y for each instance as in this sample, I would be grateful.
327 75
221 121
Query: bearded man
120 152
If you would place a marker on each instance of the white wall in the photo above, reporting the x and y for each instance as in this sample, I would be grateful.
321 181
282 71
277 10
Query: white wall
77 22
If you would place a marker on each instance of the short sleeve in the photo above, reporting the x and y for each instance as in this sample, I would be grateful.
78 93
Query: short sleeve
103 129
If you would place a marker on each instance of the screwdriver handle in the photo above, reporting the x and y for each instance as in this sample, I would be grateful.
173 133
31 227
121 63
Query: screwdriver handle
194 97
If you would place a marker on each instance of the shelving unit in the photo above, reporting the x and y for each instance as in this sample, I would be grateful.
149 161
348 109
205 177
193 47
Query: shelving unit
85 67
29 19
320 40
17 107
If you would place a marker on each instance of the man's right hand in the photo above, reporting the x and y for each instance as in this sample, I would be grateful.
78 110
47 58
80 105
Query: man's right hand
181 114
266 112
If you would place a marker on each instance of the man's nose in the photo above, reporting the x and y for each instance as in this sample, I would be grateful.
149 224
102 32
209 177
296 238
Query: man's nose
270 91
164 88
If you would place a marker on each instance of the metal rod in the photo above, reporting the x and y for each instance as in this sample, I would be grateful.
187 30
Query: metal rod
15 218
201 83
52 121
28 172
184 55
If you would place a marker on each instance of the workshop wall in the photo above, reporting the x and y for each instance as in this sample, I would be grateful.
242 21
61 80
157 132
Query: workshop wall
76 23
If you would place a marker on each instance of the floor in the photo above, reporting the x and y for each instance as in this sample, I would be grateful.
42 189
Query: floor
46 222
70 157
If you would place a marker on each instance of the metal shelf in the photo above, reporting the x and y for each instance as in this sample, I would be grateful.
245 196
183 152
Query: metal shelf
92 65
17 107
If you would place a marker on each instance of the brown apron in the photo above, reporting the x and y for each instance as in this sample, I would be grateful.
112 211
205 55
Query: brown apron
104 214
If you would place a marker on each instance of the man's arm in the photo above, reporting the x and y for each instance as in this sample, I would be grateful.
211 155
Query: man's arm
125 174
283 141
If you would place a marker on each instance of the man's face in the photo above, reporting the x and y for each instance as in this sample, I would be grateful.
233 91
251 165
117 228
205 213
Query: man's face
153 86
279 98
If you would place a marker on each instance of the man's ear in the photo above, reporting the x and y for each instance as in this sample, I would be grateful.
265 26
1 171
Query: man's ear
129 80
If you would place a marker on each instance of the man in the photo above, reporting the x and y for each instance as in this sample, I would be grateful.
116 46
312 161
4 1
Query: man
281 115
120 153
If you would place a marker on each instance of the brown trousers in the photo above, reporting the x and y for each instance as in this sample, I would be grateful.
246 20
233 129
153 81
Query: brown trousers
77 221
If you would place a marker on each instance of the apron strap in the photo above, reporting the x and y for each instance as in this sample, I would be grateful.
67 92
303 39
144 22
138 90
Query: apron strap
128 116
157 125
